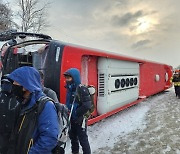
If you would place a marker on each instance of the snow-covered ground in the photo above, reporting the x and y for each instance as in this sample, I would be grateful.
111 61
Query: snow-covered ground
107 132
150 127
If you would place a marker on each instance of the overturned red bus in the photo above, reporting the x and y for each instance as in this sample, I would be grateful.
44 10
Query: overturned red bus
120 81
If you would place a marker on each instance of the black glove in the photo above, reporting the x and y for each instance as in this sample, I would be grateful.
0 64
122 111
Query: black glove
58 150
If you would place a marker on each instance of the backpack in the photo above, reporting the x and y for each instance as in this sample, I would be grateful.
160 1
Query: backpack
91 90
63 122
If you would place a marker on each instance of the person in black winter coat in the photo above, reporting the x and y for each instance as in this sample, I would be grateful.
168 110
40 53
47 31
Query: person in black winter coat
176 81
8 113
80 105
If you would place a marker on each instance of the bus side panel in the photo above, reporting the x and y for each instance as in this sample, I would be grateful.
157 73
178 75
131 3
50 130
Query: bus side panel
151 75
70 58
152 78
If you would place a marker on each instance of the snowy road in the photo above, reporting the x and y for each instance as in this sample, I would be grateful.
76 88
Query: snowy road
150 127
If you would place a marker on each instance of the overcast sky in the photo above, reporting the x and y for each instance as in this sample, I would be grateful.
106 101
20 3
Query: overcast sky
148 29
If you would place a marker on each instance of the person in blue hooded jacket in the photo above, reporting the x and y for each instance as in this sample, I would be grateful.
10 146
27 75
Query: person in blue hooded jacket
78 97
33 133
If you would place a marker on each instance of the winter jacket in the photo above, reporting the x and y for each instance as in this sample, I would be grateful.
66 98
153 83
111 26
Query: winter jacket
44 136
8 116
82 105
175 79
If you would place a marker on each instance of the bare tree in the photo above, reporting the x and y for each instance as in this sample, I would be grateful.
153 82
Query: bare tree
32 14
5 17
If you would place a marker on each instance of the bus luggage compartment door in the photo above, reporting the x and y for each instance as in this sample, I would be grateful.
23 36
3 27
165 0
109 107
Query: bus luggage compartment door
118 84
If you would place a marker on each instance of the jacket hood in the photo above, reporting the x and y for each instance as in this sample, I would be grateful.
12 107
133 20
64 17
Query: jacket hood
74 72
28 77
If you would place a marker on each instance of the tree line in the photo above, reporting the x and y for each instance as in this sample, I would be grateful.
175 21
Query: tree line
29 16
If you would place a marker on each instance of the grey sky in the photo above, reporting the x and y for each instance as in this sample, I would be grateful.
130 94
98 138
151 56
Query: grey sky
147 29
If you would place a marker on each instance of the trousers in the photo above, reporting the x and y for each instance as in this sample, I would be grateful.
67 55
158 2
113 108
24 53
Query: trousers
78 135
